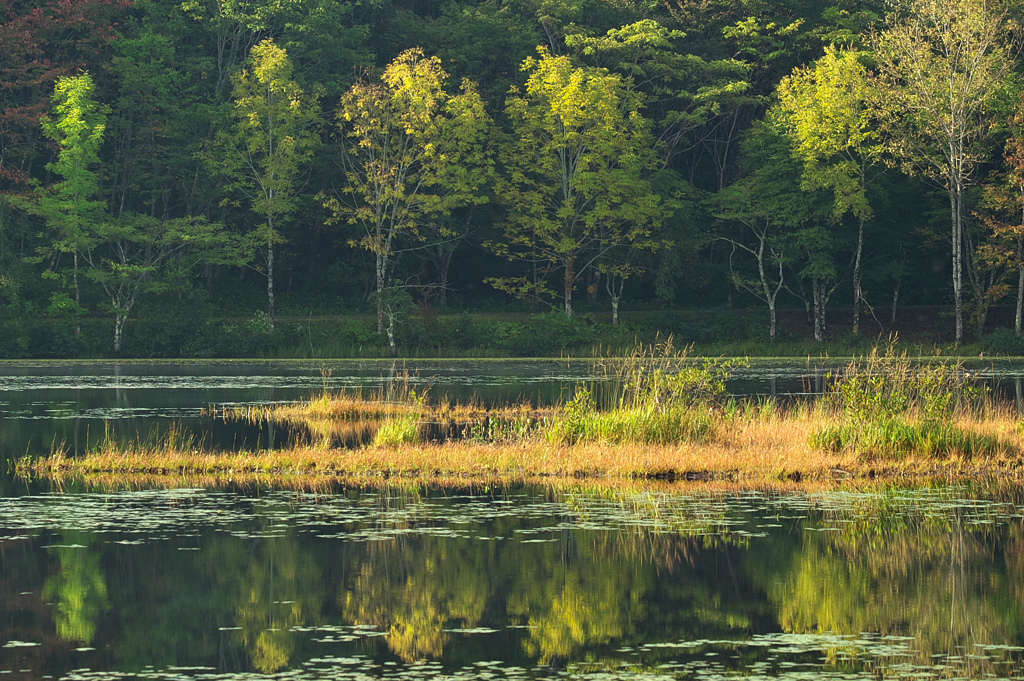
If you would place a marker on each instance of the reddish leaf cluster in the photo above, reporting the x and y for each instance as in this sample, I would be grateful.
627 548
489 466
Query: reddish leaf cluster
39 43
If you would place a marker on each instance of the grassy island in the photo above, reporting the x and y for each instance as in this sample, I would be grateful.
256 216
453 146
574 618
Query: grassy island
657 415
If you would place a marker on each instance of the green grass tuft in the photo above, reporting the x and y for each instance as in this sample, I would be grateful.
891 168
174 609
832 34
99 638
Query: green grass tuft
898 438
398 430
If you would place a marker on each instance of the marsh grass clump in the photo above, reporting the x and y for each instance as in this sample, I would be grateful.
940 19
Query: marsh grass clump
400 429
397 430
888 406
655 396
898 437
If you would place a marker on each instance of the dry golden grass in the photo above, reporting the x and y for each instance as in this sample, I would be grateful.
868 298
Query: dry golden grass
762 448
350 407
745 443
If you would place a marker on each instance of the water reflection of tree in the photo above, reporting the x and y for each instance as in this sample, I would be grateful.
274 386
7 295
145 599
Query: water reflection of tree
77 588
932 579
274 586
577 593
575 596
416 588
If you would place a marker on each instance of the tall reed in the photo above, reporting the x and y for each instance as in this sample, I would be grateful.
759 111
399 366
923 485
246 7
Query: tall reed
656 395
885 405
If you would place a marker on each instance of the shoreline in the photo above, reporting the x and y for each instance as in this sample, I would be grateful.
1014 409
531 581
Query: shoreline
755 453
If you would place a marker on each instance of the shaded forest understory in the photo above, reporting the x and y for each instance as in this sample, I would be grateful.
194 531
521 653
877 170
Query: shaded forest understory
923 330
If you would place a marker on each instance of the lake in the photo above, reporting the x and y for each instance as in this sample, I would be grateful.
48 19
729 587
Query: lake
636 582
511 583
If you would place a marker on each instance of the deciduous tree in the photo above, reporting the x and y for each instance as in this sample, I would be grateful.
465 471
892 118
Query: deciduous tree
574 173
941 64
263 155
824 109
131 252
71 207
1002 215
413 152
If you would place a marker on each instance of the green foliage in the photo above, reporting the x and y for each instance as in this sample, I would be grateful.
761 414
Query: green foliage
413 153
579 421
574 180
78 126
655 396
1004 342
825 110
890 385
401 428
681 92
896 437
212 109
942 66
274 136
70 206
397 430
275 132
890 407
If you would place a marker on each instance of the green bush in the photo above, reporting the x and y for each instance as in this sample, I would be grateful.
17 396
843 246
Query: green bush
655 396
889 386
684 331
14 342
580 421
1004 342
888 406
550 334
397 430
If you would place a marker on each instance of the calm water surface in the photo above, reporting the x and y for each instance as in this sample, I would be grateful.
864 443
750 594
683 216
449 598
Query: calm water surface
478 583
76 404
516 583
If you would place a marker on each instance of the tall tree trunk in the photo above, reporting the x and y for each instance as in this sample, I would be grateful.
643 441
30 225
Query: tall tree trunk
1020 284
895 300
593 281
772 324
391 334
78 299
1020 299
570 277
381 276
119 321
956 209
819 312
270 283
615 311
857 293
444 263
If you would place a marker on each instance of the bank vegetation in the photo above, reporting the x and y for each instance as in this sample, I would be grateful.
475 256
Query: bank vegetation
656 415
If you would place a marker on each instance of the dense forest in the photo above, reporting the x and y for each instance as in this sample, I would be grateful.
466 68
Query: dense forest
199 178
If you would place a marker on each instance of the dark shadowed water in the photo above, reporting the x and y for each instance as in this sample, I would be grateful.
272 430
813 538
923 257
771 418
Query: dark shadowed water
516 583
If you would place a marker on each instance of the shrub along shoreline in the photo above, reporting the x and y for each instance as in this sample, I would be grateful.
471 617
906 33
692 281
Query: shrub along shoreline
191 334
661 415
